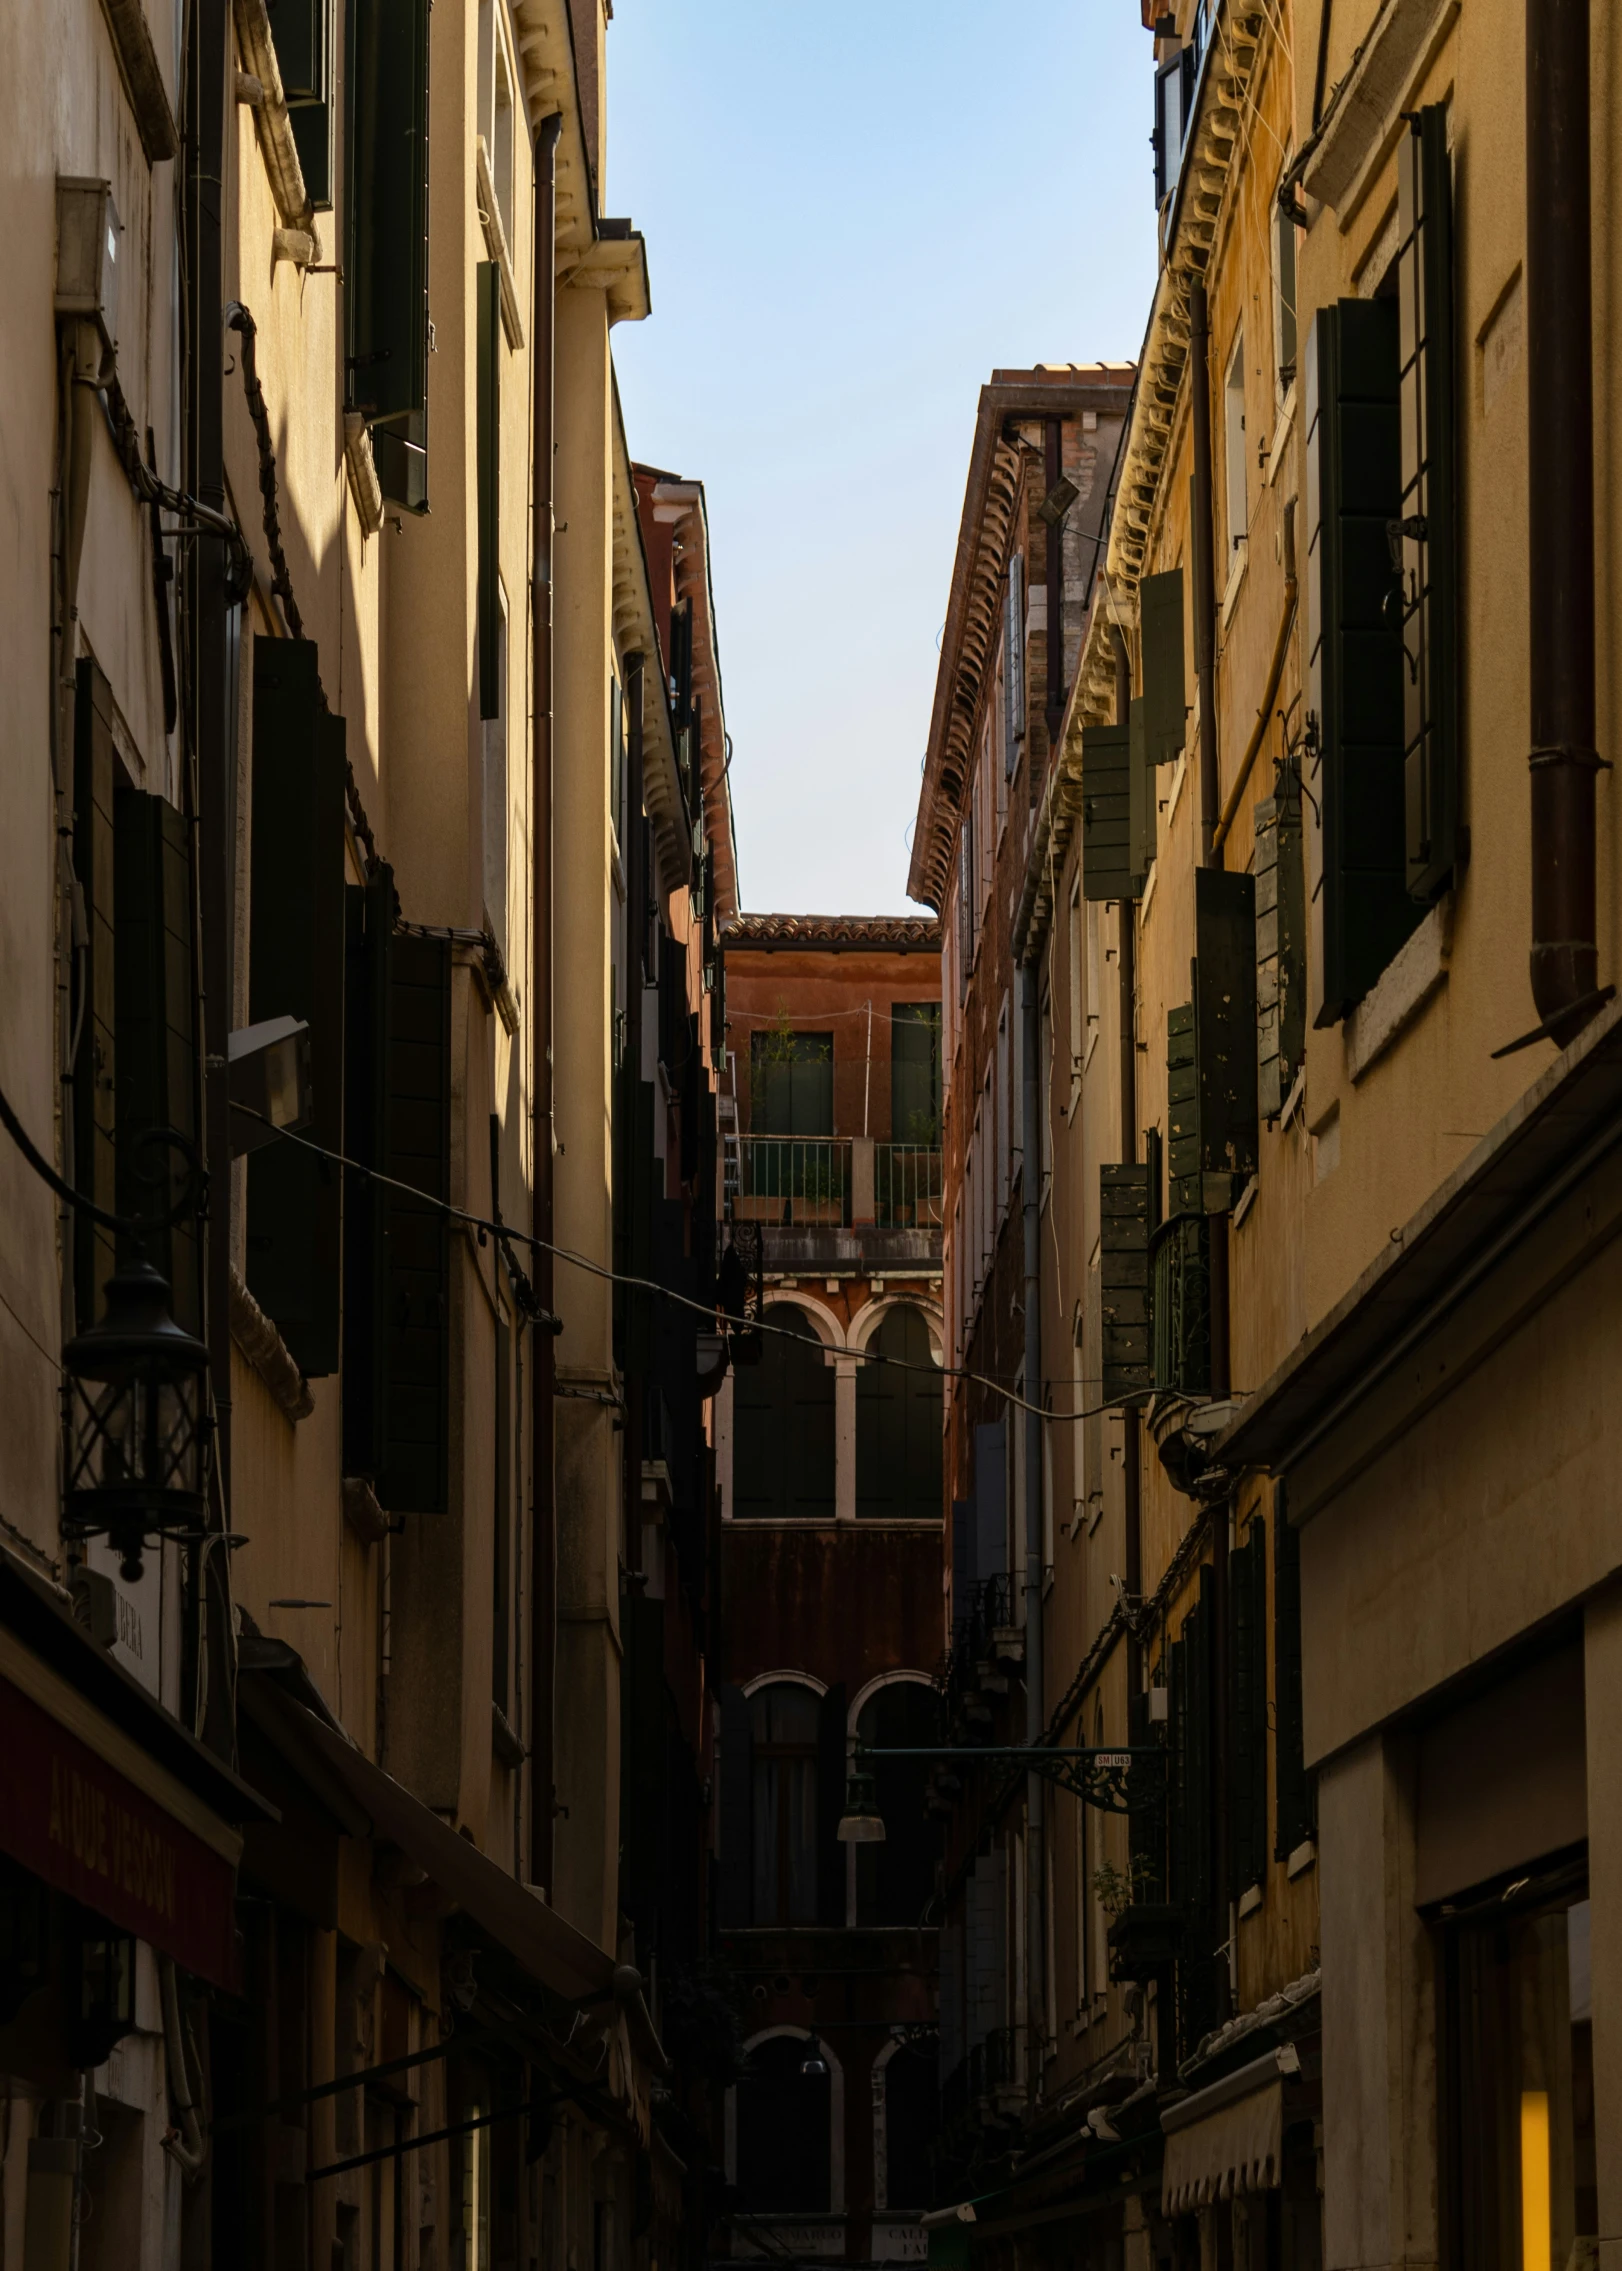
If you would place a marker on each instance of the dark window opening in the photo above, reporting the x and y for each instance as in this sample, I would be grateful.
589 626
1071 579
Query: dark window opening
898 1425
894 1879
783 1725
783 1427
784 2130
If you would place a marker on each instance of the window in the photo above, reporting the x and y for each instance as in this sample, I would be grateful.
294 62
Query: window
783 1458
1077 1000
1013 668
487 376
1519 2086
783 1728
494 730
1004 1110
895 1879
784 2130
791 1083
496 107
303 34
1233 425
385 286
1174 94
915 1072
898 1425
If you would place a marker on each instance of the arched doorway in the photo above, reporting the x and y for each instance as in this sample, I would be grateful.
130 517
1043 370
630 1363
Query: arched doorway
784 2131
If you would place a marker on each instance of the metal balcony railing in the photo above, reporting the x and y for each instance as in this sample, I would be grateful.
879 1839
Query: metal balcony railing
907 1186
838 1182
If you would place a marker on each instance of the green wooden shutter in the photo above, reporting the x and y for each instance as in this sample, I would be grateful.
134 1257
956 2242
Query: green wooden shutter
385 283
1355 664
1123 1199
156 1032
1160 618
1142 813
1247 1587
302 30
1224 979
1281 947
488 319
95 1159
1296 1818
369 911
1183 1112
415 1471
1430 616
915 1072
1106 813
296 969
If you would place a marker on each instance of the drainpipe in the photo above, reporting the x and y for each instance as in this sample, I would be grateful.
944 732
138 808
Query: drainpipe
543 1368
1560 459
636 931
1127 977
1035 1699
1052 471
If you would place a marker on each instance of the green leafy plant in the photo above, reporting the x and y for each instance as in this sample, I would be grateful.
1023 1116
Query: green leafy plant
1115 1890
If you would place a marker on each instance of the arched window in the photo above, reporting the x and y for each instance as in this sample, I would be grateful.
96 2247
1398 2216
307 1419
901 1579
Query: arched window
784 2131
783 1733
783 1425
898 1425
896 1877
911 2123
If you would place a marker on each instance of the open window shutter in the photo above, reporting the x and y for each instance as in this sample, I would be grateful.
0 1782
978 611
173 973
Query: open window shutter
1428 539
831 1761
301 29
415 1472
1106 813
1281 947
1225 1031
1247 1585
1160 618
1014 660
156 1042
735 1890
95 1165
368 937
1292 1782
1146 1824
490 343
1355 662
1123 1200
385 283
1142 804
296 960
1183 1112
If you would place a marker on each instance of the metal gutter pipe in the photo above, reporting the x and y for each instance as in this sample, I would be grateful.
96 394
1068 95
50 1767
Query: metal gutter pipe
1035 1700
634 842
543 1369
1560 518
1131 1445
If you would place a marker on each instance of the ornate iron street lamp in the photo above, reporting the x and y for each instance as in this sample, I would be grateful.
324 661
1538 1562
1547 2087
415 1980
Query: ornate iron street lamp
861 1823
1123 1781
138 1423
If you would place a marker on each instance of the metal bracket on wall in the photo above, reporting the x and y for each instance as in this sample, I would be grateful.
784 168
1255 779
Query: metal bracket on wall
1124 1781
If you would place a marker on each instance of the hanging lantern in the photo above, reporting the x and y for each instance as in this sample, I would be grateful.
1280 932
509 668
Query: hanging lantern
138 1423
861 1823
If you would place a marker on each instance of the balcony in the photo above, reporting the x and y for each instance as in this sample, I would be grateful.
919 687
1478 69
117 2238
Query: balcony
827 1200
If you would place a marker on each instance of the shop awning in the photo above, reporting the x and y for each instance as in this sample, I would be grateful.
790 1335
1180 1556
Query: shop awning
105 1796
518 1920
1226 2139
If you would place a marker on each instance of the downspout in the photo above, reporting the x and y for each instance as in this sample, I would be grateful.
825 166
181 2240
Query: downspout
1560 520
1131 1446
1035 1700
1202 541
213 743
543 1365
636 931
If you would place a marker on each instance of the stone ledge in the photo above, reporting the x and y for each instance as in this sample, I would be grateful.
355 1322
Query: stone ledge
268 1353
1404 986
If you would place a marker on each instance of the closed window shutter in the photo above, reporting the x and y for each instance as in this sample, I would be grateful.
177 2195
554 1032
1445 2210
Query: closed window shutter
1014 659
1160 618
1355 661
1123 1199
1106 813
95 1161
1183 1112
1198 1969
385 282
1142 812
488 380
1281 947
635 1172
156 1034
1225 1032
735 1885
303 34
369 911
1247 1584
831 1760
295 969
1428 540
415 1474
1294 1785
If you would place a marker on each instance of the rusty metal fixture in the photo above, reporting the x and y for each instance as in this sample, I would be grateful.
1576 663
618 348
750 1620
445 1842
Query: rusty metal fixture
1560 518
1203 567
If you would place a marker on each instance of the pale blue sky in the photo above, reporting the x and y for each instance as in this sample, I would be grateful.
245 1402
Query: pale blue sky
855 210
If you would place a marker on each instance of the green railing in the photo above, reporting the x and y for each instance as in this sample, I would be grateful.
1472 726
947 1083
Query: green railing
1181 1306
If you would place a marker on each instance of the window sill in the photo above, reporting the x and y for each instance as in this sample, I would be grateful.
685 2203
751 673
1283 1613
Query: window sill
1304 1857
1236 579
1400 993
1283 424
495 238
1250 1902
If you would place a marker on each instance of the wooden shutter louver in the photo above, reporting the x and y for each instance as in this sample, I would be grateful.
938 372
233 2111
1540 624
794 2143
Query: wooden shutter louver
1160 618
302 31
296 969
1281 946
1106 813
1428 539
95 1158
488 421
1126 1357
368 940
156 1031
1295 1819
1224 980
1014 660
1142 808
1354 644
385 284
415 1472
